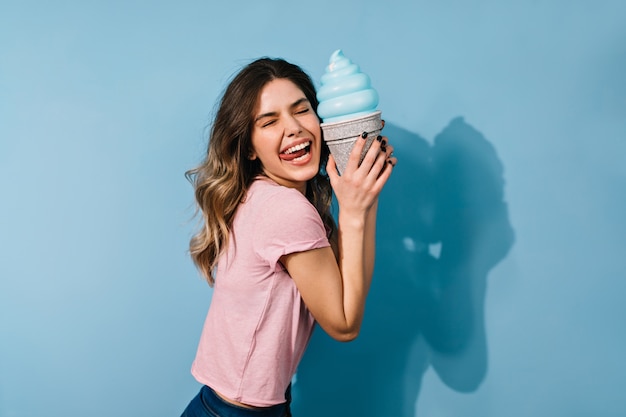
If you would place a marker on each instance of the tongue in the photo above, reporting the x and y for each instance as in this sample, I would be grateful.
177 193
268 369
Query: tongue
292 156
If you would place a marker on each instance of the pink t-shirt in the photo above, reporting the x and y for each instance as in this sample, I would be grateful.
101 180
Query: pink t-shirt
258 326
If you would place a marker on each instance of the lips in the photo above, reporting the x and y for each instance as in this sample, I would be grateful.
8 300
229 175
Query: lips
296 151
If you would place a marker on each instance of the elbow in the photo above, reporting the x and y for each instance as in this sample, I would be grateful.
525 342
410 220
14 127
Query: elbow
341 331
345 335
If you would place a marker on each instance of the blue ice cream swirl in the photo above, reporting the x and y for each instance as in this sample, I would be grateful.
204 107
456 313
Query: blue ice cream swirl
345 91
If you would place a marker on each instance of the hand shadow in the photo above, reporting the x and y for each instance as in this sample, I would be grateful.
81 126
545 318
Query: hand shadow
442 226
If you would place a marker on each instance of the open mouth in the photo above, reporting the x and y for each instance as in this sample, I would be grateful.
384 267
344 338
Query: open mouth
296 152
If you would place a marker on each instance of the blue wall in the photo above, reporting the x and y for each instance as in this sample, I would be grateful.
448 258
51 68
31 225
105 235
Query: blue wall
500 275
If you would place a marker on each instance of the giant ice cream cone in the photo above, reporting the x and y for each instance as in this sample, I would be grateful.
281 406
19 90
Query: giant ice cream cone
347 106
340 136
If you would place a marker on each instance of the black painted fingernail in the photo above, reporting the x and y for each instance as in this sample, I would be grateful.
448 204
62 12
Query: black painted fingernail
364 135
383 148
379 138
384 142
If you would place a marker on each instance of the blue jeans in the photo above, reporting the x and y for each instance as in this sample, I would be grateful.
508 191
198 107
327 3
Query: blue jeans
208 404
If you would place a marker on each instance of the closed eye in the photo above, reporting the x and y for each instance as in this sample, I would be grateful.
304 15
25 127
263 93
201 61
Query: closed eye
268 123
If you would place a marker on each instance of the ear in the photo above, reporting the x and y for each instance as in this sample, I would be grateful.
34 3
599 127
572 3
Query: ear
252 155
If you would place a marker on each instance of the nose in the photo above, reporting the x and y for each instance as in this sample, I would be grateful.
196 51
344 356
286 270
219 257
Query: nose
292 127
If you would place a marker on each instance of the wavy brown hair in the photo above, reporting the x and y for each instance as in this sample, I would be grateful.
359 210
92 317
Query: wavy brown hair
222 180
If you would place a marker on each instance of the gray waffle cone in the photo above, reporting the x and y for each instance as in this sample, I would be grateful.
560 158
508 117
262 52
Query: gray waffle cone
340 136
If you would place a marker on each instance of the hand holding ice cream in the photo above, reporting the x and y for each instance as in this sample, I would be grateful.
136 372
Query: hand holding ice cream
347 106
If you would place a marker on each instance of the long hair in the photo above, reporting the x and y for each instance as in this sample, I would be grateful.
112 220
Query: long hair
222 180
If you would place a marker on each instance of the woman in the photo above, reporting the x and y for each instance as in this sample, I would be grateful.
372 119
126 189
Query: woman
269 244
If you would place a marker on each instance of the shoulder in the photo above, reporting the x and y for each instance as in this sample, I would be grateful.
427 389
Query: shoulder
271 206
281 221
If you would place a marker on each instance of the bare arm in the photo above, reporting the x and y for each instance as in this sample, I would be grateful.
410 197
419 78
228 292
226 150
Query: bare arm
335 289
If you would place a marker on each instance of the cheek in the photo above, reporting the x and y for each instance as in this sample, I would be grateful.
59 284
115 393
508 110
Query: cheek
259 143
313 126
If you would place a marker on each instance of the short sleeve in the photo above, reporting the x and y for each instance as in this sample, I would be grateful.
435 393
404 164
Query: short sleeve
286 223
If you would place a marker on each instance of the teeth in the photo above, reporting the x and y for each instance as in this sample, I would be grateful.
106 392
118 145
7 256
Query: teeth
297 148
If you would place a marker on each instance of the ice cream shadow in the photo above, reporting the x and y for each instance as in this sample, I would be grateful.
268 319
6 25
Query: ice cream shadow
443 225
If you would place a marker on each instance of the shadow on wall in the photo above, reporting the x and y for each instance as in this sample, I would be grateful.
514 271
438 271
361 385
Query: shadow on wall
443 224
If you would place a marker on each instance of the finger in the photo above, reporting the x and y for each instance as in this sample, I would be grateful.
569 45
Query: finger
386 171
379 164
331 169
372 154
387 149
383 144
355 153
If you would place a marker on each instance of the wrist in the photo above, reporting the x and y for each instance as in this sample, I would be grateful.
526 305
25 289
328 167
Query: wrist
349 221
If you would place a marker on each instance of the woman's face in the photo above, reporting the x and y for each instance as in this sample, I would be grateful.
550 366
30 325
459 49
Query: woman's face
286 134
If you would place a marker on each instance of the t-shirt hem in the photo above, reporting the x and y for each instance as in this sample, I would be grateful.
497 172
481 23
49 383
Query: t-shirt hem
225 392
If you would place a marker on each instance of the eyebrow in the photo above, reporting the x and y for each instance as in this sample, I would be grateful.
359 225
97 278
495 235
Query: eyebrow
273 113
